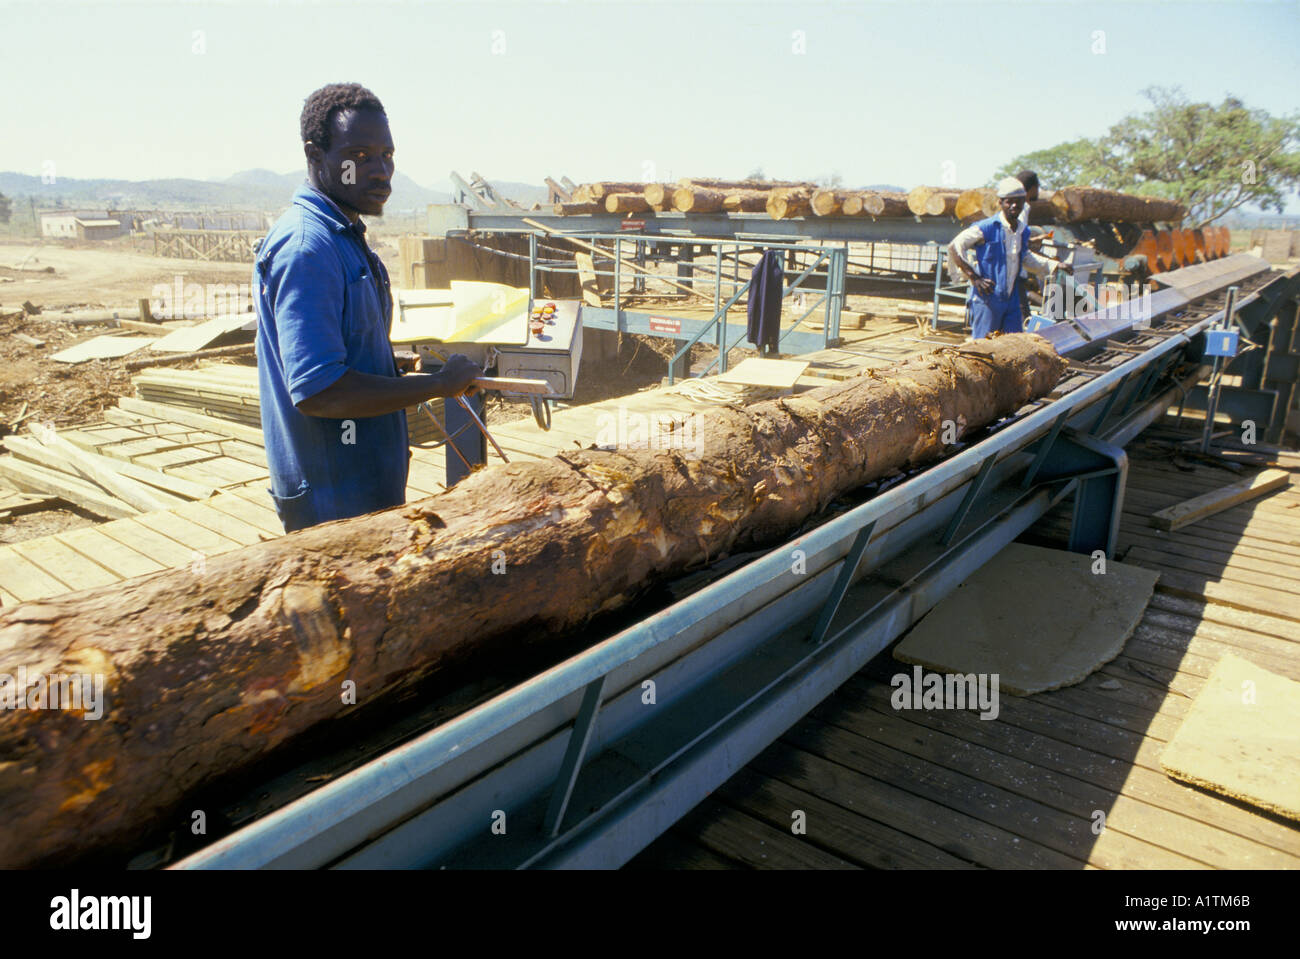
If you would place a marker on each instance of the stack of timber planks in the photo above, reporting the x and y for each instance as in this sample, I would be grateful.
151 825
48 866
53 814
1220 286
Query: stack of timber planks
229 391
121 467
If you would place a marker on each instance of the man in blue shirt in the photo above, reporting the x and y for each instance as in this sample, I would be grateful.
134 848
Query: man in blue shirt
331 397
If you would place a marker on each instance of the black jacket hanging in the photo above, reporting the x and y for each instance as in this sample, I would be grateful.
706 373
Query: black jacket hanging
765 290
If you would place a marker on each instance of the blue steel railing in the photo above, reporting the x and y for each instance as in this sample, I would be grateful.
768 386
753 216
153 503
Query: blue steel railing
831 299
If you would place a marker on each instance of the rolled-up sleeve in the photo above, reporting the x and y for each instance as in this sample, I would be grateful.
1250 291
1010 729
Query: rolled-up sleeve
307 289
964 243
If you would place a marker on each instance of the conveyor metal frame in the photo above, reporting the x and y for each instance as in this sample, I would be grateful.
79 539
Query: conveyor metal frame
588 762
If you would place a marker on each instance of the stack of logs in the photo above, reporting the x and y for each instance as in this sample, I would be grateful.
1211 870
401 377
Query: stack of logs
785 199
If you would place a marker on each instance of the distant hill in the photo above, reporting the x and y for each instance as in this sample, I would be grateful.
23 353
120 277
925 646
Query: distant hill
246 190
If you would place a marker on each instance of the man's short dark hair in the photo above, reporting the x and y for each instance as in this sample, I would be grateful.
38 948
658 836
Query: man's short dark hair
318 112
1028 179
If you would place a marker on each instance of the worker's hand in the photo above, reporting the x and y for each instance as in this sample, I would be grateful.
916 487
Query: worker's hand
983 285
459 373
1064 266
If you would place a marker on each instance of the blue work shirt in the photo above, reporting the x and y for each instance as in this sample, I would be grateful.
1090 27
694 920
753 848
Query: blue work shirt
324 307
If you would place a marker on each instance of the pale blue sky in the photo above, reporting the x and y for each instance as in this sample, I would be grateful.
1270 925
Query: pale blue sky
883 92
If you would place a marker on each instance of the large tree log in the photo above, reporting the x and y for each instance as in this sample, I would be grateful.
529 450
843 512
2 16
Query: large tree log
742 202
1041 211
727 186
932 201
783 204
876 203
1076 203
829 202
981 202
659 196
577 209
688 199
598 191
207 673
626 203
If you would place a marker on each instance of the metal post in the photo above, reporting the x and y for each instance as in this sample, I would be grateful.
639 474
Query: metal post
938 285
618 283
717 293
1216 375
532 268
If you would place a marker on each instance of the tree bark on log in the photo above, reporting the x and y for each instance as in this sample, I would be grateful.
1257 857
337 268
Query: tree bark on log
697 200
1077 203
626 203
744 202
1041 211
932 201
576 209
784 204
598 191
727 186
206 674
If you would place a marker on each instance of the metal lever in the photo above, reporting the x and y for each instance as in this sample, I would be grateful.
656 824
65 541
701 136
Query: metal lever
478 422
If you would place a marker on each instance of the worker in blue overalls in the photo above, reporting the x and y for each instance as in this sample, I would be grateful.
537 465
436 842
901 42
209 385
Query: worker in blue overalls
1000 247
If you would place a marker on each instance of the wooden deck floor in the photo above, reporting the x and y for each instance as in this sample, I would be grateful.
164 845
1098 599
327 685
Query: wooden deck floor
944 789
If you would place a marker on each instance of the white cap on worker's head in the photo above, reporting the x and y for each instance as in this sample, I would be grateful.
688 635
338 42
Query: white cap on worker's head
1009 186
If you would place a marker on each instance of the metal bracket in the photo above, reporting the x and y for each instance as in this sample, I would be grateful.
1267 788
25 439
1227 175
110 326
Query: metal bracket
972 494
583 724
1101 470
842 582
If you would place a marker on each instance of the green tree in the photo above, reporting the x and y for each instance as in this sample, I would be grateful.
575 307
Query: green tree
1212 159
6 208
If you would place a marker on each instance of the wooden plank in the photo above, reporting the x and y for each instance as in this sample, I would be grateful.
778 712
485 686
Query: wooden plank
64 563
100 470
1069 796
85 460
38 479
195 536
1237 619
224 524
262 517
1032 822
1221 499
148 542
756 844
814 764
102 348
1133 781
189 418
189 339
757 371
126 562
13 503
1143 556
850 835
24 580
